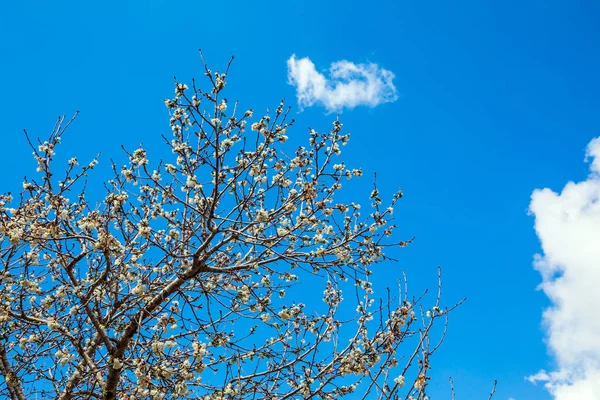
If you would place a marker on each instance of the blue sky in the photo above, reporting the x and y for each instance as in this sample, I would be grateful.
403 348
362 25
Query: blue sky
494 101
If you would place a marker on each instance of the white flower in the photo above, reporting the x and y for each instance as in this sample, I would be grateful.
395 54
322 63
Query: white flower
158 347
285 314
229 389
63 356
117 364
244 294
219 82
192 183
265 318
399 381
170 168
52 324
420 382
139 157
262 216
199 349
266 280
227 143
144 230
138 290
180 88
63 214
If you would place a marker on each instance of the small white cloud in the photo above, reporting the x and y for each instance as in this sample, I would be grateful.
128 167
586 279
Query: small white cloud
593 152
349 85
568 226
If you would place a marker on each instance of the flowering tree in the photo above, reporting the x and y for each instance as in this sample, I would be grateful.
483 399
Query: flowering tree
183 280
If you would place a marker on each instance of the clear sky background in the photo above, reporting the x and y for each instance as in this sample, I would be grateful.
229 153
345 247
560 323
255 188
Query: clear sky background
493 102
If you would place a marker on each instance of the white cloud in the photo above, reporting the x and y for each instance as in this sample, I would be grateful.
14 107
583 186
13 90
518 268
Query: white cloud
568 226
349 85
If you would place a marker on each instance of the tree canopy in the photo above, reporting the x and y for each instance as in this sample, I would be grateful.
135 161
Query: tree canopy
186 280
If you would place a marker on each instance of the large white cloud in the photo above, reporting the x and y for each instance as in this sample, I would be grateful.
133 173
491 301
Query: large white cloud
348 85
568 226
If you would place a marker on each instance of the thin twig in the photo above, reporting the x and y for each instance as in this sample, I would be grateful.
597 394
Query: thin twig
493 390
